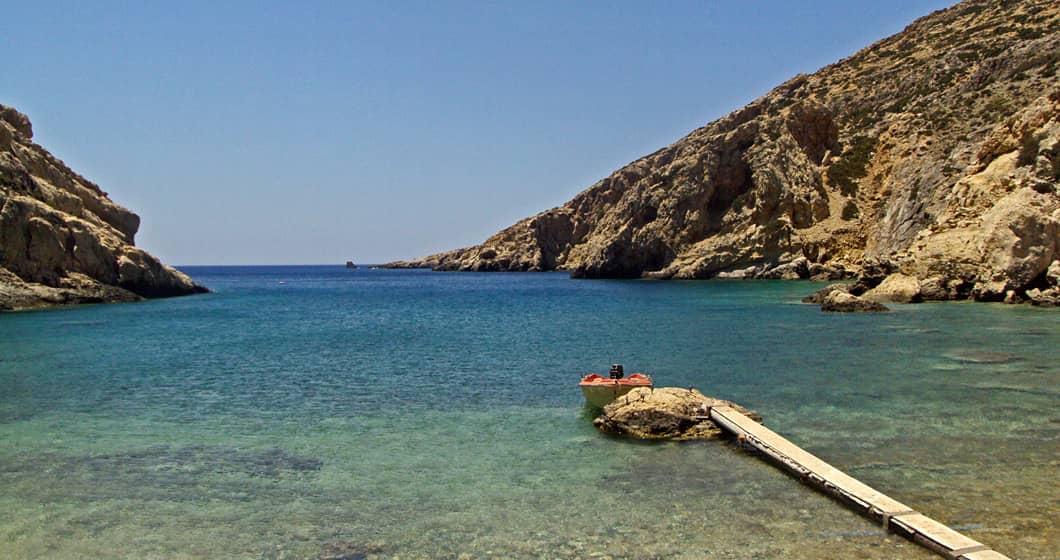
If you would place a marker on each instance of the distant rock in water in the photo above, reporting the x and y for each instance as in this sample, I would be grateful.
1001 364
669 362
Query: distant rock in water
62 240
664 413
936 149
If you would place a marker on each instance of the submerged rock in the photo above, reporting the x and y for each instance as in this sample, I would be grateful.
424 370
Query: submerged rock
664 413
983 357
350 551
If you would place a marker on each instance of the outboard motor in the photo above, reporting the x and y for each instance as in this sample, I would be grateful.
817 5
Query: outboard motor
616 371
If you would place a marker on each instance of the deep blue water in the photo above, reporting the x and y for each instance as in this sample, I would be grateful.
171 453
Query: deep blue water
314 412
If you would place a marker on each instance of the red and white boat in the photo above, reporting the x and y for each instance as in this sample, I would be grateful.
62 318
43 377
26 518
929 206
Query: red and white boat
599 391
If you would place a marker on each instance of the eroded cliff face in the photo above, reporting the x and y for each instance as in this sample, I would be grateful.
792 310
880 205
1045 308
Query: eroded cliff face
934 151
62 240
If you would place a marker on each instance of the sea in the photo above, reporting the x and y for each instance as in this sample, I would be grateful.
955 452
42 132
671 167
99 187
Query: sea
323 413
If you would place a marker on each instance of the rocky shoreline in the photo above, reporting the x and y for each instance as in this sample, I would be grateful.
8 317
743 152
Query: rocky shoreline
62 240
881 282
932 156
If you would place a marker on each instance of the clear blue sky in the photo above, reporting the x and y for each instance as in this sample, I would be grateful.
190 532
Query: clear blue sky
266 133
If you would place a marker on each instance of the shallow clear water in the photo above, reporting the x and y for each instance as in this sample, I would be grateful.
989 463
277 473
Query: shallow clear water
315 412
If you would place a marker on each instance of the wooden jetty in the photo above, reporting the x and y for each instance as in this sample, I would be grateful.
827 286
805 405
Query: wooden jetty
893 515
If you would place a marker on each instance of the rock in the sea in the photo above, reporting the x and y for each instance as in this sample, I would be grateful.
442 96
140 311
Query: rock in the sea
819 296
664 413
841 301
62 240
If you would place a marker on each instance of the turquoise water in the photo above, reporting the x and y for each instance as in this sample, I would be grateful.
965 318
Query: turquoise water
315 412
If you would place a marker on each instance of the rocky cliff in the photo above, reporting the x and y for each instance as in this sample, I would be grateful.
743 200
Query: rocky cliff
932 153
62 240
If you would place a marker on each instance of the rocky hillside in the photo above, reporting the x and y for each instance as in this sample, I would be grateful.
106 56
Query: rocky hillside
932 153
62 240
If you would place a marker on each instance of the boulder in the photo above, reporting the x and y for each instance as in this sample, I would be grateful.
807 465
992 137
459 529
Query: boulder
841 301
873 272
819 296
664 413
823 272
794 270
1052 274
739 273
898 288
934 288
1019 238
1044 298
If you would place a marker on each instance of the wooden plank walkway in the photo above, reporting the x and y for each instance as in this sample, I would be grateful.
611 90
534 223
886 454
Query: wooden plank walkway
892 514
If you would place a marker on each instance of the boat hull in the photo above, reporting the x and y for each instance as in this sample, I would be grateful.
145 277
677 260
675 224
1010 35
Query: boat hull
602 395
600 391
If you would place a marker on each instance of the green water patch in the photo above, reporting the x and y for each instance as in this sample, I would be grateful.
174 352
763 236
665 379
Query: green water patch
451 483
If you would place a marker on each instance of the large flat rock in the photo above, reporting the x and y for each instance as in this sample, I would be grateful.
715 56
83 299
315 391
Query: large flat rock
664 413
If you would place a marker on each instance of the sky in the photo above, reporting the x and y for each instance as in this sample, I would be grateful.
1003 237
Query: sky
320 132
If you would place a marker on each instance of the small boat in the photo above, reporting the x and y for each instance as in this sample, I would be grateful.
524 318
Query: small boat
350 265
599 391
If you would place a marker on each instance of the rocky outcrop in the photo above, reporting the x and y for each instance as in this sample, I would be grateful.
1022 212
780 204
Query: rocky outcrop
937 150
62 240
664 413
